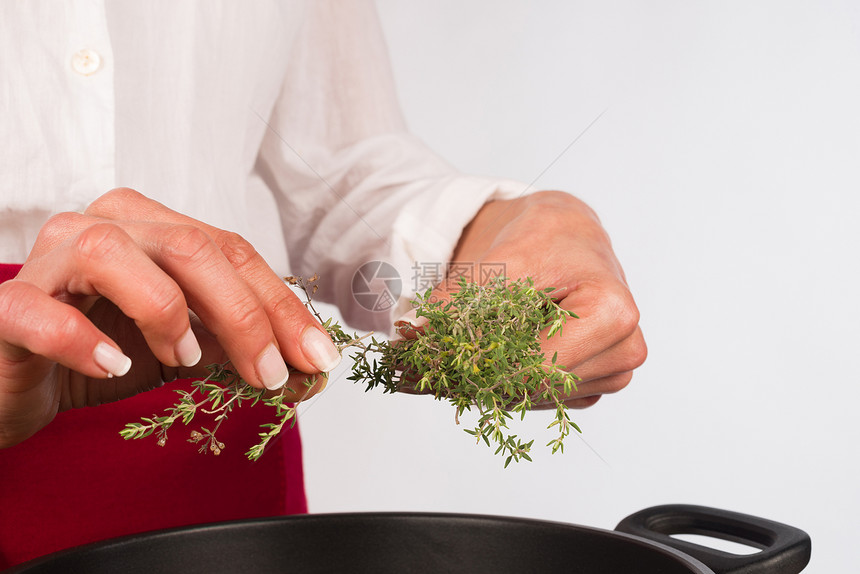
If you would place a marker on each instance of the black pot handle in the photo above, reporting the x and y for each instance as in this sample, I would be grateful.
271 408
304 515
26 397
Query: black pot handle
784 549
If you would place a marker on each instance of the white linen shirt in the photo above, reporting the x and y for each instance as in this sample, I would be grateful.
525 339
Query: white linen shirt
274 119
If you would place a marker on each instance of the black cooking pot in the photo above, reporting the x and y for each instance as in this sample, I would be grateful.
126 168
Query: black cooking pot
418 543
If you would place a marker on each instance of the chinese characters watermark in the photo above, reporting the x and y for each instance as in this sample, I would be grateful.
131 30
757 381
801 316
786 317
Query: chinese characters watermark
447 275
376 285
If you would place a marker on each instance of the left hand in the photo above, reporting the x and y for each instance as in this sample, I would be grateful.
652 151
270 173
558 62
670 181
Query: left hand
107 293
558 241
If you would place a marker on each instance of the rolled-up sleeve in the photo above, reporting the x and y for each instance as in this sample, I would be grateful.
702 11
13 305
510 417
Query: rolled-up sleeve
351 183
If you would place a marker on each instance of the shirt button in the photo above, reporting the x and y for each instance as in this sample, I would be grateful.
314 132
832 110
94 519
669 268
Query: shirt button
86 62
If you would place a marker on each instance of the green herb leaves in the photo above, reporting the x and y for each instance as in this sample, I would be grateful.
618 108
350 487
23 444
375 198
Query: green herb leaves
216 395
480 349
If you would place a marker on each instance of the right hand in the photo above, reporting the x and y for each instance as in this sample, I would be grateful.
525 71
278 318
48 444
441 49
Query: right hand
100 312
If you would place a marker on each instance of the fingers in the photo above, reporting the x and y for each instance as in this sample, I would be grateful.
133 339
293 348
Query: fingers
104 260
623 357
34 323
225 303
606 373
253 314
605 344
296 333
607 316
256 318
302 340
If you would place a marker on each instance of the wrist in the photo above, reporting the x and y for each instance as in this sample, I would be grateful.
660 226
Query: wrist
488 225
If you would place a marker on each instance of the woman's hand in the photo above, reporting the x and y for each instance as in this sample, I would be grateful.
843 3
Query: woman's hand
557 240
100 312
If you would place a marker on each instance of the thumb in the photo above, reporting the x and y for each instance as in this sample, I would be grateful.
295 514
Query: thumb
412 321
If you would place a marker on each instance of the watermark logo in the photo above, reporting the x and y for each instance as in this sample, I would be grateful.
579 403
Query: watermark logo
426 275
376 286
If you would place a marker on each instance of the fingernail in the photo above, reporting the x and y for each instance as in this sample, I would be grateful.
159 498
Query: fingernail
111 360
188 351
272 369
413 319
319 349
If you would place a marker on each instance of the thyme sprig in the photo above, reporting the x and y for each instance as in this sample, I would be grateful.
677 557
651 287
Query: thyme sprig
216 395
223 390
479 349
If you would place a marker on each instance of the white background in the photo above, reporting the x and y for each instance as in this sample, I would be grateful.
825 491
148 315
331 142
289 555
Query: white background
726 167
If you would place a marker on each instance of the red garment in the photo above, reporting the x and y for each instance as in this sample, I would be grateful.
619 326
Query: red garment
77 481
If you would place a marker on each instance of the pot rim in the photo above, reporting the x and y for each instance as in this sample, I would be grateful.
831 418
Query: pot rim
153 536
